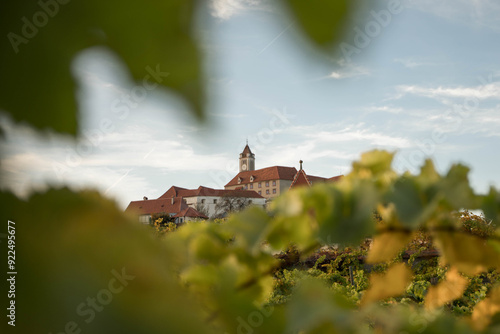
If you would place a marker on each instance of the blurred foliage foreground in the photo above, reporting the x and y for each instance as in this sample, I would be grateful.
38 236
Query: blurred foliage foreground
85 267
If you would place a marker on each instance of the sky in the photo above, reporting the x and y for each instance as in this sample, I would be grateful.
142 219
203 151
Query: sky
424 82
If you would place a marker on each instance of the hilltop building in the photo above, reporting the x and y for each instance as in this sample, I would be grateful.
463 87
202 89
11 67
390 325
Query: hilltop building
270 182
250 185
189 204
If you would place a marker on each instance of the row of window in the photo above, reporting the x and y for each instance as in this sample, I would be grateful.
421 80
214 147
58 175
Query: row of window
249 202
203 201
260 184
267 192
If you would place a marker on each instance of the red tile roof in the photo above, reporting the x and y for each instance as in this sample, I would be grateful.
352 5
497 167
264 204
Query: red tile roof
205 191
160 205
335 178
174 192
164 202
190 212
302 179
313 179
264 174
246 151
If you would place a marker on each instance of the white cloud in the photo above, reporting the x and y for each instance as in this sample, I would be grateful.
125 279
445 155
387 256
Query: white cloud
344 72
387 109
491 90
225 9
348 70
411 62
337 140
363 135
115 164
349 73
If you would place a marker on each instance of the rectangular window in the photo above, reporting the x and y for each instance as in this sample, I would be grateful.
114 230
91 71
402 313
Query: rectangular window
251 185
267 184
260 184
274 183
202 201
267 191
260 192
274 191
215 201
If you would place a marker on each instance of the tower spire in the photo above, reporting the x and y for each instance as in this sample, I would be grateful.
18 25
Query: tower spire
247 159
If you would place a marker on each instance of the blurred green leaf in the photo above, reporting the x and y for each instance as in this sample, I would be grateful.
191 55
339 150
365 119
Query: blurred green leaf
322 21
491 205
76 250
313 305
456 189
407 199
249 228
154 39
350 218
373 163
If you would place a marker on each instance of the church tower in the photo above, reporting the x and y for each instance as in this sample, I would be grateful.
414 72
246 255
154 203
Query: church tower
247 159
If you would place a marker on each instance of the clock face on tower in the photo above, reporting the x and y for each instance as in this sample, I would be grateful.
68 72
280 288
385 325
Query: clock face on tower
244 167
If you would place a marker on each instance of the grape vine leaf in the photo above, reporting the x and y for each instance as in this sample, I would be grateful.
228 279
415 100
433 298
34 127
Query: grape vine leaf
491 205
486 309
450 289
154 39
389 284
74 247
387 245
323 21
314 305
470 254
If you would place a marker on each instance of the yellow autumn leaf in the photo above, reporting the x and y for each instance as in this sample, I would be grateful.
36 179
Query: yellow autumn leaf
486 309
450 289
387 245
470 254
390 284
